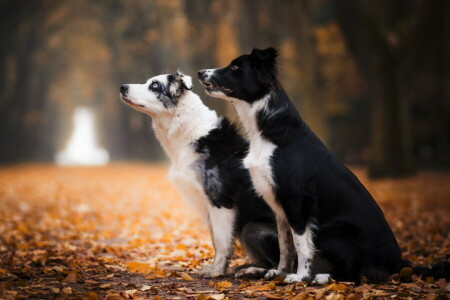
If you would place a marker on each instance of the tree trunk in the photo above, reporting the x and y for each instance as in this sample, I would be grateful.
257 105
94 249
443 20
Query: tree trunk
383 68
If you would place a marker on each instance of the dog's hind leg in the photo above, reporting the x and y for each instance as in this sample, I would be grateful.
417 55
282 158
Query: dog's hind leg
221 222
260 242
287 250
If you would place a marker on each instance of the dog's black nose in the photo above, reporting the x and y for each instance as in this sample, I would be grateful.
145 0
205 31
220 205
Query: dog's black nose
201 74
124 89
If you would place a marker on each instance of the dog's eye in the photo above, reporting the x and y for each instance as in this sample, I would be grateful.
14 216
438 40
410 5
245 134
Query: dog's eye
154 86
234 68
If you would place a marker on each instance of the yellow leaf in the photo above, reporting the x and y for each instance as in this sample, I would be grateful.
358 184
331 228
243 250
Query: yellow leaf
224 284
272 286
139 267
337 287
106 286
186 277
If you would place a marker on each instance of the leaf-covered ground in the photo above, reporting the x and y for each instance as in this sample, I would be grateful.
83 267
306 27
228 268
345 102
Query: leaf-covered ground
122 232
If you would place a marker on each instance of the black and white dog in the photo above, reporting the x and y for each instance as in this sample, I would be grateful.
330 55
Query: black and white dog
323 212
206 153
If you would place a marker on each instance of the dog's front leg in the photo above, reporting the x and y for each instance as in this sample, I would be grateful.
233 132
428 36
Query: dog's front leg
287 250
221 222
304 247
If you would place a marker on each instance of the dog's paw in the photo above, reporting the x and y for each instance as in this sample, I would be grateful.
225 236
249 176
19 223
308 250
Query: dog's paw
210 271
321 278
291 278
271 274
250 272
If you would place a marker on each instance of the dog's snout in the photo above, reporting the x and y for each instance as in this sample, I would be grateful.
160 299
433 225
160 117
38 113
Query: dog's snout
204 74
124 89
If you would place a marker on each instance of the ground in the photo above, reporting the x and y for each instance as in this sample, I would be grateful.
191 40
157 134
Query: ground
122 232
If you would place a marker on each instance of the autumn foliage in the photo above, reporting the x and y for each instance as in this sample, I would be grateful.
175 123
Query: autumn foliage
122 232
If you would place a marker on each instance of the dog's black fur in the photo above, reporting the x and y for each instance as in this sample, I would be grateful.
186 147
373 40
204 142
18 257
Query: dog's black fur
311 185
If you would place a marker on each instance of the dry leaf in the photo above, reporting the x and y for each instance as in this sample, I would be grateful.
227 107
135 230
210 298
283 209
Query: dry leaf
224 284
92 296
71 278
216 296
88 281
145 288
186 277
272 286
270 296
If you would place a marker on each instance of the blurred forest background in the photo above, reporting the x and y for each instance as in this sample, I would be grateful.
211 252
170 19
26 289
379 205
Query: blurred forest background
372 78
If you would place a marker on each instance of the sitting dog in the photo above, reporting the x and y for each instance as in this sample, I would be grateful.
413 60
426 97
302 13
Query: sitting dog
206 153
323 212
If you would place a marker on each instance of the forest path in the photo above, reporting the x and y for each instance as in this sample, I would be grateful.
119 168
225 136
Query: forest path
122 232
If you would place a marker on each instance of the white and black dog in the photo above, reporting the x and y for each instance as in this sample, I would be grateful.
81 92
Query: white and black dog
206 153
322 209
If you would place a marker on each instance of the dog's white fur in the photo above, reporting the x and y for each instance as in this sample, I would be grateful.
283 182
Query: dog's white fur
177 128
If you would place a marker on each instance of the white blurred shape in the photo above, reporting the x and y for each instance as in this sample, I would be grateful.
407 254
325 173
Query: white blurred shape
82 148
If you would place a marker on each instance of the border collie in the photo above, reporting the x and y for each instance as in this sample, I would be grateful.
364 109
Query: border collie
322 210
206 153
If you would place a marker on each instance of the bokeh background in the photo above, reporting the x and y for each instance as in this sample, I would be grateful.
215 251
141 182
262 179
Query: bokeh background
372 78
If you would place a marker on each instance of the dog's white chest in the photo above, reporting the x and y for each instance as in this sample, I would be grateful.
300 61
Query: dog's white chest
258 164
258 160
186 181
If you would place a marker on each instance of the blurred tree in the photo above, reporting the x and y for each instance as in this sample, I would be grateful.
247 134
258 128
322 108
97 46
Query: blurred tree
26 27
387 39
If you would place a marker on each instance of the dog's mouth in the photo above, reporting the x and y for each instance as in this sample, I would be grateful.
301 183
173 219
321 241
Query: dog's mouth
128 101
215 88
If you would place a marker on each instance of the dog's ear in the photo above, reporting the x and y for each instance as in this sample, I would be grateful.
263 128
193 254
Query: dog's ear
265 64
187 81
267 55
179 83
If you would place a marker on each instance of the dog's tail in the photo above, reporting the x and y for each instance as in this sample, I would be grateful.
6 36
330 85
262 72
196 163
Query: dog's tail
437 271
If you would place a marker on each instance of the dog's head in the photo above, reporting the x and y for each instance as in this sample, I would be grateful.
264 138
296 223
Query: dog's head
248 77
159 94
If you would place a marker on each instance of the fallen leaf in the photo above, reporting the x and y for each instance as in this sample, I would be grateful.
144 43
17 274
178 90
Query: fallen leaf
71 278
224 284
186 277
92 296
88 281
216 296
272 286
270 296
145 288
